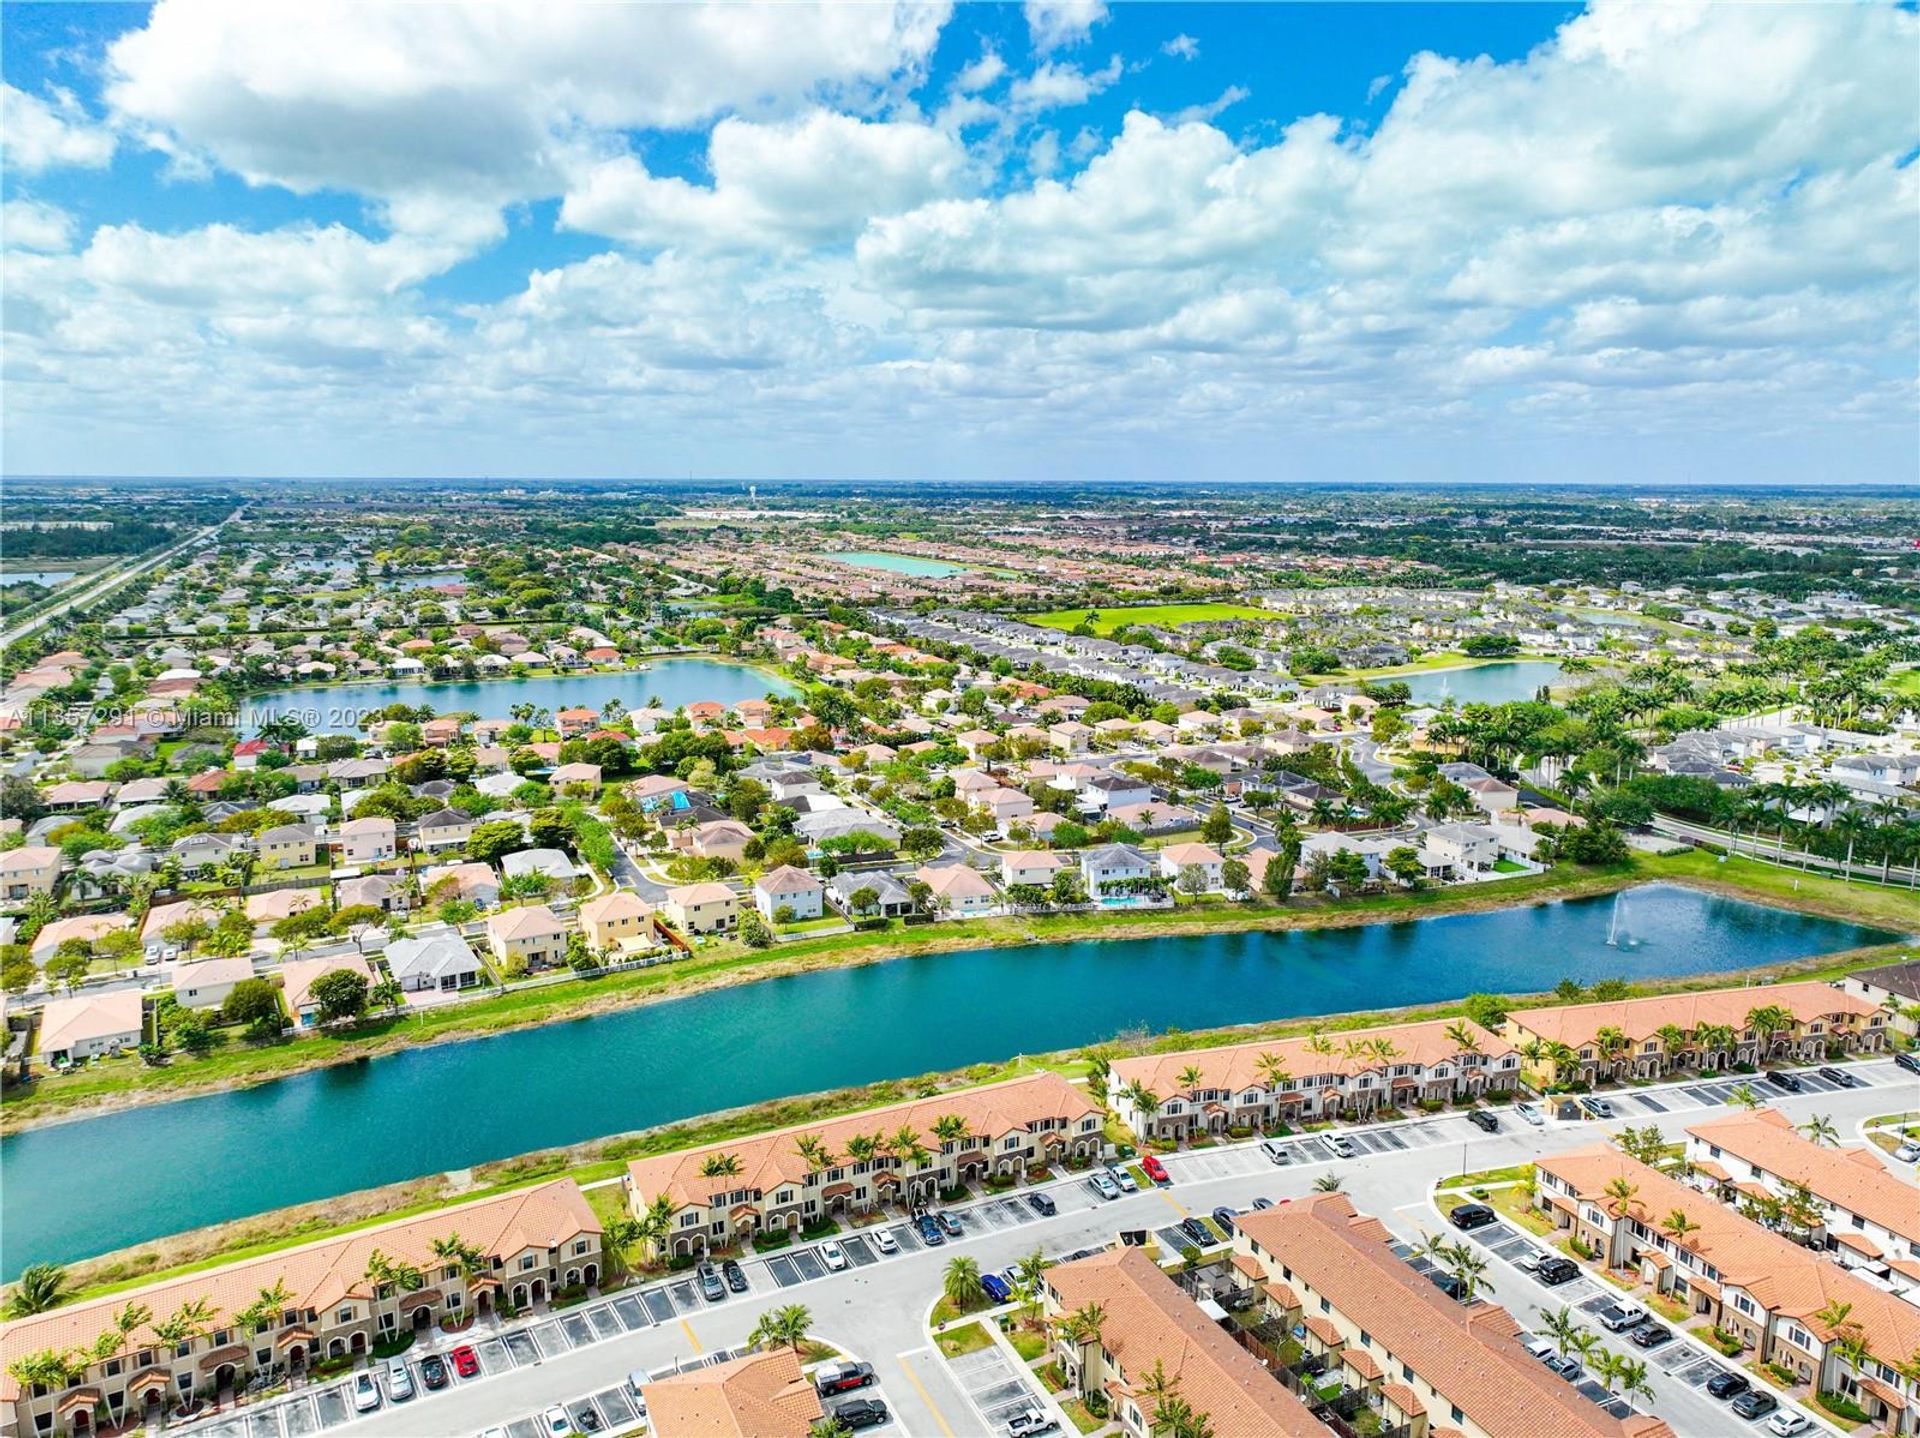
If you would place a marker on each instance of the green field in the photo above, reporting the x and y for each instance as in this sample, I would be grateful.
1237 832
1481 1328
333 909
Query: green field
1165 615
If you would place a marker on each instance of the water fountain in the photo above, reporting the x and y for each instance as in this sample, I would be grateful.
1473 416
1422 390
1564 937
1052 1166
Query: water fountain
1617 935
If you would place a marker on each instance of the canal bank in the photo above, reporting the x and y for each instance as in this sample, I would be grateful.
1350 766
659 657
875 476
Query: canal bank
453 1106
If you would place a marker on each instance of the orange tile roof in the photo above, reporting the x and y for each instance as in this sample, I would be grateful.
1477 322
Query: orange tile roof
1468 1353
763 1395
1236 1066
1638 1019
1150 1320
1766 1139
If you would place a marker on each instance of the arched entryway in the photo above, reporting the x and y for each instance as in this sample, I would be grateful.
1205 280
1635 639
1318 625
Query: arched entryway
336 1348
422 1318
519 1295
539 1290
591 1273
358 1344
224 1377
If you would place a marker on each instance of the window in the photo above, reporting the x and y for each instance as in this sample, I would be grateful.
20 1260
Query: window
580 1245
528 1260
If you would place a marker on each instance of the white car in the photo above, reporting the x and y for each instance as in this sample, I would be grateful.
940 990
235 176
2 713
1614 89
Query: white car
1786 1423
556 1423
1030 1421
366 1393
1907 1152
833 1255
884 1240
1529 1114
399 1380
1101 1182
1124 1179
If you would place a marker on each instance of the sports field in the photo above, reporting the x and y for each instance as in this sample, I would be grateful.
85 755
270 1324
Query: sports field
1105 621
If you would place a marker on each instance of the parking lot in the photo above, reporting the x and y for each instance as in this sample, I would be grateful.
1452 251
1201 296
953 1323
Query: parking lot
995 1386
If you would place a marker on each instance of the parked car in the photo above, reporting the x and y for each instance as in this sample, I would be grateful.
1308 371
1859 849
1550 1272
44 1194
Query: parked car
1041 1203
1472 1215
1908 1061
1484 1120
1198 1232
1839 1076
1908 1152
433 1372
995 1287
1780 1078
366 1393
637 1380
735 1275
1541 1348
949 1223
1102 1185
1619 1317
1755 1403
1529 1114
884 1240
1337 1144
1448 1284
842 1376
399 1380
1787 1423
1597 1108
1556 1271
556 1422
1030 1422
1154 1169
1262 1204
1728 1385
1224 1216
1123 1178
834 1256
710 1283
1530 1261
929 1231
588 1420
465 1361
1567 1368
1651 1335
862 1413
1275 1151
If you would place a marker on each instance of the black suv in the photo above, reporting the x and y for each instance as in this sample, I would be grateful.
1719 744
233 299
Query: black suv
1448 1284
1198 1232
1779 1078
1728 1385
1839 1076
1481 1119
862 1413
1556 1271
1755 1404
1472 1215
736 1278
1043 1204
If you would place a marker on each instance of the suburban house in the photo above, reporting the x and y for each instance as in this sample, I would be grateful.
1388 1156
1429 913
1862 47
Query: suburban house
957 888
368 840
443 829
80 928
1030 866
27 871
1460 849
1493 796
206 983
531 1242
708 908
1713 1029
1113 790
475 882
617 922
762 1395
299 976
1895 987
1257 1085
795 1176
433 963
717 839
552 864
1176 859
287 846
1872 1217
372 891
1006 807
1115 867
1425 1362
1776 1297
890 896
73 1030
530 935
788 888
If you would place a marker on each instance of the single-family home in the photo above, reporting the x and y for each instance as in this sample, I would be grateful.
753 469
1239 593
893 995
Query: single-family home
205 983
368 840
473 881
958 889
27 871
1112 790
440 962
76 1029
530 935
708 908
1460 848
618 921
300 975
585 775
1115 867
717 839
1030 866
443 829
83 928
287 846
788 888
373 891
889 897
1176 859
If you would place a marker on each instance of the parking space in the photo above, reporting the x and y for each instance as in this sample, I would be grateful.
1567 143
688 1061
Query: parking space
783 1270
993 1385
807 1261
859 1252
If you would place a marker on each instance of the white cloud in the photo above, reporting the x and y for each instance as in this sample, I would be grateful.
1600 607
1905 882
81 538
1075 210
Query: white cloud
980 74
40 136
221 265
1057 85
1055 23
34 225
813 180
1182 47
1212 109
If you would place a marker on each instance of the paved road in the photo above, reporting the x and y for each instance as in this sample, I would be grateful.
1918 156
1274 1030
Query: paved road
109 580
878 1308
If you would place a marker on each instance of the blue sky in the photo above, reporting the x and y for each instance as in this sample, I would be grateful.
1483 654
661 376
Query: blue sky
1051 240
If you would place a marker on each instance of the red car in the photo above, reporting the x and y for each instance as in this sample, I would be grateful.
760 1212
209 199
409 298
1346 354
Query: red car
1154 1169
465 1361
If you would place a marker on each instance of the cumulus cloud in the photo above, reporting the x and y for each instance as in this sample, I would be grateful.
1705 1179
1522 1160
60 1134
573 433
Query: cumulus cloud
1212 109
1057 85
33 225
1055 23
39 135
1182 47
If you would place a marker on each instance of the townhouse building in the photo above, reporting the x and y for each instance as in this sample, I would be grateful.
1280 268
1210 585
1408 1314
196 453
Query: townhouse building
762 1395
1782 1302
1713 1029
1355 1073
1425 1363
1872 1217
522 1246
726 1193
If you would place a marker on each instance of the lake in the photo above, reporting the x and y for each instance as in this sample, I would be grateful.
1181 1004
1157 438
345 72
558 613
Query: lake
331 707
48 577
85 1187
1500 683
911 564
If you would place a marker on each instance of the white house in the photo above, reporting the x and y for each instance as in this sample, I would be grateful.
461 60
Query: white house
1113 866
1177 858
788 888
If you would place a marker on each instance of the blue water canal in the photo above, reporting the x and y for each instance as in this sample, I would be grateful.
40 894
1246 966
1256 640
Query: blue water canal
1503 683
96 1184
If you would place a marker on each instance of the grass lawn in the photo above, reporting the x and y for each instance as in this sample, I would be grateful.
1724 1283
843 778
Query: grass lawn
1164 616
1083 1420
1508 866
969 1339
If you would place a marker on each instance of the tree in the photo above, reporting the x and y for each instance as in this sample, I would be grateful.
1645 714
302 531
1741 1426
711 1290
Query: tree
921 843
340 994
1563 1328
68 967
1277 881
1744 1097
754 932
961 1283
1678 1226
1405 864
1217 828
1820 1130
1329 1183
786 1326
1236 877
720 1165
41 1286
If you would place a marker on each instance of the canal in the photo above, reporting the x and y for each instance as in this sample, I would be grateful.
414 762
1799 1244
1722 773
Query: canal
85 1187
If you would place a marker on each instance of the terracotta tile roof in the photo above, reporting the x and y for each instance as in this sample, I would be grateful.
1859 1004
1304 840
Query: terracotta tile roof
1766 1139
320 1274
300 974
763 1395
1467 1353
1150 1320
771 1159
66 1022
1639 1019
1237 1066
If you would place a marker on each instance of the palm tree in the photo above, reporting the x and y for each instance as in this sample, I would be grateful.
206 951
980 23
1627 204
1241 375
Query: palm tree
383 1272
1319 1043
1329 1183
907 1147
1273 1069
1583 1342
1465 1264
1562 1328
1460 1033
949 1128
722 1165
811 1148
1677 1226
1082 1326
786 1326
1159 1387
1820 1129
832 1426
40 1287
657 1221
1145 1101
126 1323
1767 1021
1190 1077
266 1308
49 1369
1632 1374
1607 1368
1744 1097
1622 1192
962 1283
388 995
862 1147
1031 1272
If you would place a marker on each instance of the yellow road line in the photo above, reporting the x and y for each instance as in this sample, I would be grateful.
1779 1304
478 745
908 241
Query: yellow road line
1178 1207
926 1397
697 1348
